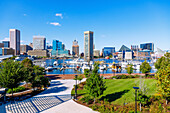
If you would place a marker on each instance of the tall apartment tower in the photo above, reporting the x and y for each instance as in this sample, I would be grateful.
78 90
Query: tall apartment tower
88 45
14 36
75 48
39 43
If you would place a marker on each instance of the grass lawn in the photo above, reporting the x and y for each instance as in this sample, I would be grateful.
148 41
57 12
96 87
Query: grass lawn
121 90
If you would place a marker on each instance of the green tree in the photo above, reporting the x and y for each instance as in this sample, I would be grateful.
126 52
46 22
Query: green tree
94 84
36 82
163 75
11 74
28 65
44 81
163 61
129 69
87 73
145 68
35 77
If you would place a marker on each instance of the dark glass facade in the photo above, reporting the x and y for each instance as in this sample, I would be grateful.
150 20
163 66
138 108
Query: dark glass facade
107 51
6 43
147 46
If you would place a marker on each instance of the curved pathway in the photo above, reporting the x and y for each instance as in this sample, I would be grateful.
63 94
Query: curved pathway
56 99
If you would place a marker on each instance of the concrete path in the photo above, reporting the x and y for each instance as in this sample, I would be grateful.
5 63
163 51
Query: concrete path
56 99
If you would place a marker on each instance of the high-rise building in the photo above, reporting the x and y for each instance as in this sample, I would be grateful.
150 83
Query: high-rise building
14 36
88 45
55 44
6 44
75 48
58 49
63 46
147 46
39 42
107 51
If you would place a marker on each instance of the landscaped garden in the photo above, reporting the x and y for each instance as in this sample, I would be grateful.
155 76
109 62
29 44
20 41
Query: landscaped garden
119 92
116 94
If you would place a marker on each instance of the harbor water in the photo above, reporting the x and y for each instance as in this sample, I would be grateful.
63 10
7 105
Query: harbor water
49 62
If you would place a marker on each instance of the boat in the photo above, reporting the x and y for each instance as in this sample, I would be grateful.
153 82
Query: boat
30 58
136 65
102 67
17 59
49 68
124 64
85 66
55 63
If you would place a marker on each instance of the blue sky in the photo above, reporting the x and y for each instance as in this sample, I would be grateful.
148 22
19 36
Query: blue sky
114 22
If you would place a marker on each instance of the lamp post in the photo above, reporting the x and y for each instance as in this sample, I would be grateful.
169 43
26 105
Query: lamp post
136 88
76 87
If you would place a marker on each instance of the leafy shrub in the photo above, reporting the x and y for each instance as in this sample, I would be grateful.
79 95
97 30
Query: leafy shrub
125 76
155 97
15 90
150 76
94 107
86 99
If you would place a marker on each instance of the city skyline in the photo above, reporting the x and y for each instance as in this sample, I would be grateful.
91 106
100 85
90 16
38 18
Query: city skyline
114 23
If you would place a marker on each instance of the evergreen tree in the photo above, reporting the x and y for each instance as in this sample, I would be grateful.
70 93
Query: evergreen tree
87 73
94 83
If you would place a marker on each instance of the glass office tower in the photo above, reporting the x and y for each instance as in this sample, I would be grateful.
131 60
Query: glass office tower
147 46
107 51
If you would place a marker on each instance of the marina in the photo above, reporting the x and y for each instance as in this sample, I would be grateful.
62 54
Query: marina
77 66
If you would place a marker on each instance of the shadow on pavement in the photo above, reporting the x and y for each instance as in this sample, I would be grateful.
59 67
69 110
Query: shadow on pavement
42 101
37 104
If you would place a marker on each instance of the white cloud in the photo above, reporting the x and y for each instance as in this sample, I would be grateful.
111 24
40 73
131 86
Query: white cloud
55 23
59 14
25 14
5 39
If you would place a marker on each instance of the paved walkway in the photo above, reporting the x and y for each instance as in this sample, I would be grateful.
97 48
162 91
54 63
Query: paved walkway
56 99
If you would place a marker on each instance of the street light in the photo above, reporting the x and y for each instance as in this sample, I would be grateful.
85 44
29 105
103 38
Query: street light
136 88
76 87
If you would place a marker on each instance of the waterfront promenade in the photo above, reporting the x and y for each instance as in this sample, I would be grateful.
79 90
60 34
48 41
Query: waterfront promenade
56 99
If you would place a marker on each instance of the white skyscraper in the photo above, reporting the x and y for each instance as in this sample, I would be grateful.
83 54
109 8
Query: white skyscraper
14 36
